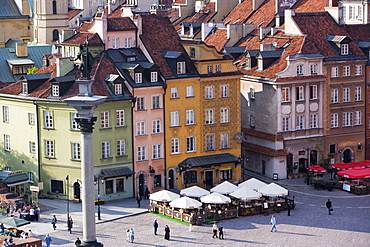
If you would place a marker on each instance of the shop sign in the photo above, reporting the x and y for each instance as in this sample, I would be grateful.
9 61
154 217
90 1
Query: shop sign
346 187
34 188
14 173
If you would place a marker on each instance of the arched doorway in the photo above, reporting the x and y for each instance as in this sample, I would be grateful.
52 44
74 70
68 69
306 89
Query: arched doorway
141 184
171 179
76 191
289 163
347 156
313 157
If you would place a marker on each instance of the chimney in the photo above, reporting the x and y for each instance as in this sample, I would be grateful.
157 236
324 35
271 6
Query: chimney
290 27
257 4
264 31
57 67
234 33
21 50
267 47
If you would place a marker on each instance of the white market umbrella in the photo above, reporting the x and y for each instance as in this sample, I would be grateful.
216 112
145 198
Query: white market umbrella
253 183
185 203
194 191
163 196
273 190
245 194
215 198
224 188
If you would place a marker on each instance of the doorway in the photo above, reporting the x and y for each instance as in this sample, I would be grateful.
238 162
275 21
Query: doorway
313 157
347 156
171 179
209 179
76 191
141 184
302 164
263 167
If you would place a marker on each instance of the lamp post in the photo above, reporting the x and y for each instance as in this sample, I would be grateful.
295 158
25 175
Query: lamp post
67 191
102 181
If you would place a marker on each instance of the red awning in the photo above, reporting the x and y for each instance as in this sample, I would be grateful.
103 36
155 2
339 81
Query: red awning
355 173
316 168
344 166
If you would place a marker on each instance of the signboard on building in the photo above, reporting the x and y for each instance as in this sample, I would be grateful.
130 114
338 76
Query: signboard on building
346 187
15 173
34 188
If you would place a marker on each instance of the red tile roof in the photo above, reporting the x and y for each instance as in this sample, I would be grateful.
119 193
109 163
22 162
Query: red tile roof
240 13
203 16
159 35
73 12
85 26
3 84
262 135
180 2
264 15
120 24
217 39
80 38
358 32
310 5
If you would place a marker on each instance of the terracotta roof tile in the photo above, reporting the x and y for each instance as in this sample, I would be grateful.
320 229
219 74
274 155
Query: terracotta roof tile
73 12
310 5
85 26
3 84
120 24
217 38
262 135
80 38
180 2
240 13
358 32
264 15
12 89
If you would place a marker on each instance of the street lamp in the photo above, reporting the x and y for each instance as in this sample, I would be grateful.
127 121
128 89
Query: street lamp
67 192
100 178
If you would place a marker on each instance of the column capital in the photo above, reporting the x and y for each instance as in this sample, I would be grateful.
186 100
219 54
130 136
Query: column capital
86 124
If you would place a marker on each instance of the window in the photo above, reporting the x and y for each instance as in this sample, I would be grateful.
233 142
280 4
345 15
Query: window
54 7
192 52
210 142
48 119
252 93
117 88
141 153
226 174
209 93
55 35
109 186
334 72
174 115
140 128
128 42
189 91
138 78
218 68
190 144
210 116
140 103
31 177
190 177
155 102
352 13
120 118
49 149
286 123
6 114
74 124
313 92
347 119
209 68
32 147
156 126
224 91
174 92
75 151
24 88
313 121
346 70
157 180
157 151
7 142
334 95
334 120
105 150
190 117
224 115
300 123
359 12
346 94
358 70
120 185
332 148
300 93
56 186
224 137
285 91
121 147
104 119
358 94
313 69
358 118
300 69
344 50
115 43
154 76
252 120
180 67
175 145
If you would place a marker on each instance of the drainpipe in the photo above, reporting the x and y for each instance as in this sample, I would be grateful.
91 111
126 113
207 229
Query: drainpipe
132 145
38 141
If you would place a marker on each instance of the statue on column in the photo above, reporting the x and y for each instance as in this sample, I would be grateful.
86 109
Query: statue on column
86 61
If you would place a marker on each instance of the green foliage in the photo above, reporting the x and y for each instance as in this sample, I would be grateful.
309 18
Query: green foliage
32 71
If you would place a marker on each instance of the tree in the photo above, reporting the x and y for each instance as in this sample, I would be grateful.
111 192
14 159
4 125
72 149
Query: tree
32 71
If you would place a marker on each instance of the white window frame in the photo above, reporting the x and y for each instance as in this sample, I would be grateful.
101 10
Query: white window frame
48 120
156 126
118 88
154 76
300 69
55 90
181 68
359 12
334 72
210 68
156 102
358 70
224 140
141 153
104 119
300 93
140 103
49 149
32 146
357 118
189 91
75 151
175 118
24 88
300 122
347 119
174 92
252 93
358 93
313 92
190 117
344 49
313 121
218 68
128 42
6 114
334 95
224 90
140 128
31 118
224 115
346 70
352 12
210 142
74 124
346 94
334 120
105 150
285 93
120 118
157 154
210 92
286 123
190 144
175 145
121 147
6 142
138 77
116 43
313 69
210 116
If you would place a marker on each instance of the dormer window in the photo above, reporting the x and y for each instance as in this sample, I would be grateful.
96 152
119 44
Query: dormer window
181 68
24 88
131 59
138 78
117 88
55 90
313 68
300 69
344 49
192 52
154 76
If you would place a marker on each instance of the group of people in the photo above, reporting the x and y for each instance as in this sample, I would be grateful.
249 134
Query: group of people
130 235
29 213
139 198
218 229
166 230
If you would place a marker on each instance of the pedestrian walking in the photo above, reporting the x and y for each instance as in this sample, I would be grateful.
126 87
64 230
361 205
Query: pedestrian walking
329 206
37 213
214 229
221 231
54 222
132 235
138 200
167 232
70 224
155 225
128 237
273 223
146 193
289 207
48 240
78 242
